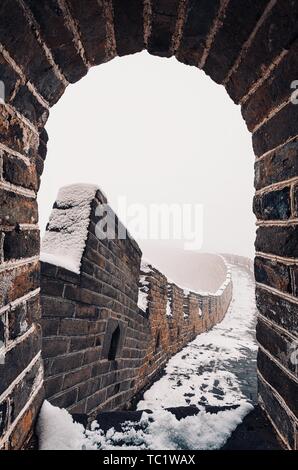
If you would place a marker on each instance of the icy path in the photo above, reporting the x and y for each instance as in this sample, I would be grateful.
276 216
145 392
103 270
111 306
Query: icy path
216 372
219 367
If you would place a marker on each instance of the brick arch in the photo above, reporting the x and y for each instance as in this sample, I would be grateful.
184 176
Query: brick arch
248 46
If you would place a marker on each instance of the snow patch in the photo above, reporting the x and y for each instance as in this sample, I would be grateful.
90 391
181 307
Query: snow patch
67 231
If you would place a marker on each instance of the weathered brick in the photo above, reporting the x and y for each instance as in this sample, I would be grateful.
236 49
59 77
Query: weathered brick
47 269
92 355
273 205
273 273
16 171
9 77
278 240
58 38
266 46
277 130
68 276
92 26
4 416
43 140
275 91
54 346
50 326
18 358
96 400
294 277
75 327
22 391
163 23
16 134
280 165
78 343
283 422
54 307
278 344
22 316
51 287
285 386
88 312
129 26
53 385
241 16
26 103
199 19
21 244
66 399
282 312
295 200
87 297
18 281
24 428
17 209
76 377
66 363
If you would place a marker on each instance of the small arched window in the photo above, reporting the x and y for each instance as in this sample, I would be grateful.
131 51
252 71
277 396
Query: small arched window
157 342
115 338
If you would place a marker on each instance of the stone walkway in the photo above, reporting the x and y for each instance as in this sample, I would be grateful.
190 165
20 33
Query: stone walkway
218 369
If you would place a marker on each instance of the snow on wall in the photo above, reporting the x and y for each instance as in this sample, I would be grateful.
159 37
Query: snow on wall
67 230
144 286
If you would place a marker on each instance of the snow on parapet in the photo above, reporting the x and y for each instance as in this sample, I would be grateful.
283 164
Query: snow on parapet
144 286
67 230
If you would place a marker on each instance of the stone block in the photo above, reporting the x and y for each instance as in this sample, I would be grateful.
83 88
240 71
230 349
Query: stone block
285 386
273 274
163 24
241 16
18 38
278 344
58 38
274 205
54 346
199 19
279 129
92 27
128 26
66 363
278 240
280 165
266 47
17 172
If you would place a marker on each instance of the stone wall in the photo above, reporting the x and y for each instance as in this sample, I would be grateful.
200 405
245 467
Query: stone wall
250 47
101 345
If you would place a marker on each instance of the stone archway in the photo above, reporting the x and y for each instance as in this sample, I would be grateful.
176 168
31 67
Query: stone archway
248 46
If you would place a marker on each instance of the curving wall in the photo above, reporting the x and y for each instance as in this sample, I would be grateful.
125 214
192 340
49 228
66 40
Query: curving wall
248 46
109 322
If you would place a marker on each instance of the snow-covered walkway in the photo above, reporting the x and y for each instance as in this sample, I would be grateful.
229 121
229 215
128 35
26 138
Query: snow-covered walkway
218 368
216 372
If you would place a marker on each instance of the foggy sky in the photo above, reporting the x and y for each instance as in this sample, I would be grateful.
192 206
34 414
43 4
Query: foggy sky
156 131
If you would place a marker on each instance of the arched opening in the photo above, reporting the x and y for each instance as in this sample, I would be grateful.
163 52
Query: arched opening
114 344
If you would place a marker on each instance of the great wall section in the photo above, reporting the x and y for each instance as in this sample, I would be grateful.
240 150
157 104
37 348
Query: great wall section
251 49
109 329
